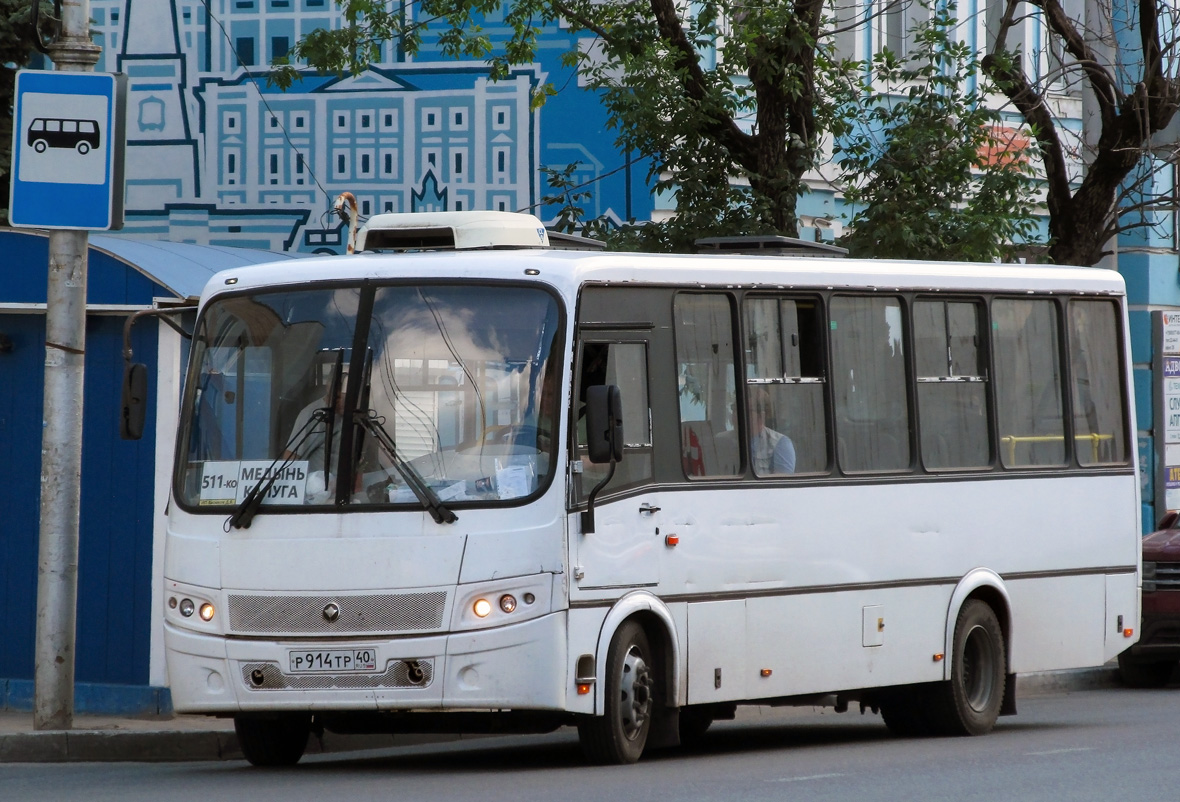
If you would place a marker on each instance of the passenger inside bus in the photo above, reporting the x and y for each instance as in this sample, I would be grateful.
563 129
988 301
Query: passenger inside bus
771 452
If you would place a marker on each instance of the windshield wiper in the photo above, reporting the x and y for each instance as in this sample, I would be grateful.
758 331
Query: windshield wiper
333 393
250 505
424 492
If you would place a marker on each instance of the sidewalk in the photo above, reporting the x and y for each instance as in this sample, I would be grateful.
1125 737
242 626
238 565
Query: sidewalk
182 738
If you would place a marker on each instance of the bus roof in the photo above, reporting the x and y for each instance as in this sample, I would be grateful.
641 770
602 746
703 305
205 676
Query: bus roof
567 270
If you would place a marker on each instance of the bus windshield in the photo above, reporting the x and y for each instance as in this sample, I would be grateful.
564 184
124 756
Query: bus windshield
452 386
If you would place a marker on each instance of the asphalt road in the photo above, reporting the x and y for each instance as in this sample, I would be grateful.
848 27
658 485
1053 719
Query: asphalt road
1091 745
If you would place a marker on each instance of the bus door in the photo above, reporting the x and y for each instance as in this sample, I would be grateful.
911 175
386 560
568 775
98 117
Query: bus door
624 548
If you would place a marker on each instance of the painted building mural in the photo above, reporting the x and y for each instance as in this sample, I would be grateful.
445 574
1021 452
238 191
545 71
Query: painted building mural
215 156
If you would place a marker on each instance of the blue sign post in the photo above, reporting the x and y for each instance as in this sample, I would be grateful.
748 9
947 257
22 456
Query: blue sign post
67 150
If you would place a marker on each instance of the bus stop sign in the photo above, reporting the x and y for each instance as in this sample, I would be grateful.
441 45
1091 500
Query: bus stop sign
67 150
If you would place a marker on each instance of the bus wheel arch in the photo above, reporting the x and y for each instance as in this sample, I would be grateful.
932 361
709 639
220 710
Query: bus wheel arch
629 688
657 622
978 685
987 586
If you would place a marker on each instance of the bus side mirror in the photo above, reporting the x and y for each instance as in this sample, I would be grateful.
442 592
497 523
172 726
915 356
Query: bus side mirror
134 409
604 423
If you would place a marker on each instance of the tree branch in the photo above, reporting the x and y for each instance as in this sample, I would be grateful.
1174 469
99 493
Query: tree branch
725 129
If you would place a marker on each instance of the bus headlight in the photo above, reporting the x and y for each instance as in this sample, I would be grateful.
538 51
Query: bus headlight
191 606
502 602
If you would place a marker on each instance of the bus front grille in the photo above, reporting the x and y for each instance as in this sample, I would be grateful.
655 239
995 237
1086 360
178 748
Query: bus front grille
337 615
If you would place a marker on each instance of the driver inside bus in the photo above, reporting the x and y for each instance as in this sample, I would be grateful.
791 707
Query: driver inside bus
311 448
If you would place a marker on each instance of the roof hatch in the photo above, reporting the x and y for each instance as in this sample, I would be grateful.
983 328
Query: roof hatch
451 231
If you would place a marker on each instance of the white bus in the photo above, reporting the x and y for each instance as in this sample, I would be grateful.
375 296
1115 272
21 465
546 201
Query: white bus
468 482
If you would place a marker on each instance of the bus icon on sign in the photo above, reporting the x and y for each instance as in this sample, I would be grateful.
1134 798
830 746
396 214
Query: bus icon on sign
56 132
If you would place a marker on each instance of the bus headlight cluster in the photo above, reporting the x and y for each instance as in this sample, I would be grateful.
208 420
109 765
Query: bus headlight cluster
495 606
483 608
186 607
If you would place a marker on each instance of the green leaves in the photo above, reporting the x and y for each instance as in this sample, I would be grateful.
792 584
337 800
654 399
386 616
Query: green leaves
931 172
727 103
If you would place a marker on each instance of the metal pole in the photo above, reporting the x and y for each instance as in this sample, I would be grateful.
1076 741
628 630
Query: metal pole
61 439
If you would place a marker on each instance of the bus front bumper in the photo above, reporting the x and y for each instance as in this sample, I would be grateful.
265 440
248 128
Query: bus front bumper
521 666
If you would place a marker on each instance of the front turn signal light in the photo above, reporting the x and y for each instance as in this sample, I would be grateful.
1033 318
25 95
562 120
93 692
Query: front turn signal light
481 608
206 612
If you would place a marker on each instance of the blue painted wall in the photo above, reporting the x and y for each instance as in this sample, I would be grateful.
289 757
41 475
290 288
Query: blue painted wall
115 549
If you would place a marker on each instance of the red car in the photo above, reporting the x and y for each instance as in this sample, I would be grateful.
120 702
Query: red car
1151 662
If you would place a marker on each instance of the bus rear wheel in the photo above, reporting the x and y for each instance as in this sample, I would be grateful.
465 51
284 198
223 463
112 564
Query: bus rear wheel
277 740
620 735
969 703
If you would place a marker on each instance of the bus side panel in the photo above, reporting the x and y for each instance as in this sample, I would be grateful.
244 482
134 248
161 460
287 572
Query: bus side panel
717 667
1057 622
824 642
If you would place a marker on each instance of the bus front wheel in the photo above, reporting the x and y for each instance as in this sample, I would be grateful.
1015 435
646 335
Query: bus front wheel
620 735
970 702
40 145
273 740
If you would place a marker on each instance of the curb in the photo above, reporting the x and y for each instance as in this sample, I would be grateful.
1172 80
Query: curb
174 745
163 746
98 746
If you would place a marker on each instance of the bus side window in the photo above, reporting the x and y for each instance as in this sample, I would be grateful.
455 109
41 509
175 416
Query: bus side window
1099 408
706 385
952 384
623 364
785 377
869 384
1028 382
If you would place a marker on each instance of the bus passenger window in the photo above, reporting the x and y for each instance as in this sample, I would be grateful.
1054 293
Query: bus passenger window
706 385
869 384
952 384
1028 383
1098 406
783 341
625 366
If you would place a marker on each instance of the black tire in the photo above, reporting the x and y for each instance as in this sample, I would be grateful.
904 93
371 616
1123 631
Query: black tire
273 740
83 148
694 723
1138 673
40 145
618 736
969 703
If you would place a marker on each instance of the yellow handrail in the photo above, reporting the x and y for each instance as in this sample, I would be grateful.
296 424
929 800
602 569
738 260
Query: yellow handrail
1013 440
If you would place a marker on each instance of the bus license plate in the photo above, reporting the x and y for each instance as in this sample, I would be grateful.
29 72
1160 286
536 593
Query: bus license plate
339 661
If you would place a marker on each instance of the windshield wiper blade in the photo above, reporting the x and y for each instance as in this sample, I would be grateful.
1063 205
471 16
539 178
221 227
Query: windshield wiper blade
333 394
251 504
424 492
